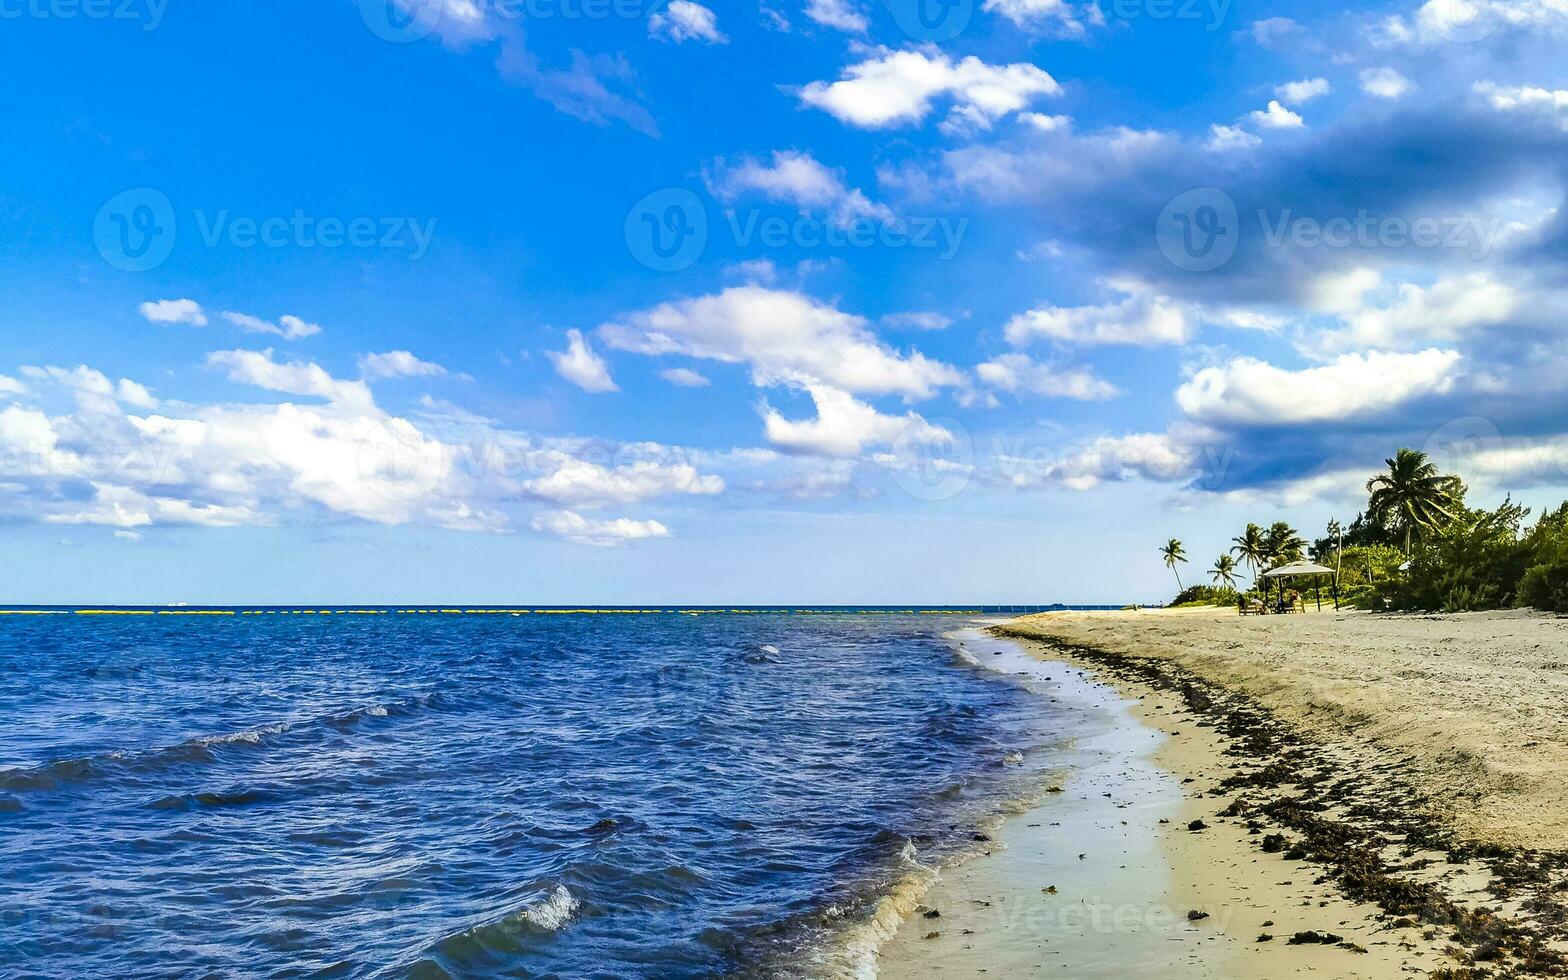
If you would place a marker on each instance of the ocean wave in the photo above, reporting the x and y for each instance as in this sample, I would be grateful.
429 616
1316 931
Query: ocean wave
512 933
199 750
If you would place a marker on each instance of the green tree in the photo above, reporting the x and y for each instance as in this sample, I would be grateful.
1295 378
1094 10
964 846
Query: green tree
1224 571
1173 552
1252 549
1413 496
1283 544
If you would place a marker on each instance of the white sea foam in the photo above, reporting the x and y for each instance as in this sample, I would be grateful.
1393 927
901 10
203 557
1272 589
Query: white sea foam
553 912
769 648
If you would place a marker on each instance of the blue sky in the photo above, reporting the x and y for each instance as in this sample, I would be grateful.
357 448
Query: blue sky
783 301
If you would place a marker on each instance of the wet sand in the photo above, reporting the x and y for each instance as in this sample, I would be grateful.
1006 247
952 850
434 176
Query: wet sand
1105 878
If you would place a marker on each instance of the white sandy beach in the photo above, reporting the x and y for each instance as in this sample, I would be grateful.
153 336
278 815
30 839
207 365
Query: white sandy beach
1463 710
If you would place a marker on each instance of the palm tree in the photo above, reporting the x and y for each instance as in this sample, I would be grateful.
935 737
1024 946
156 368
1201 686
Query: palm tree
1173 552
1283 544
1413 495
1336 534
1252 549
1224 571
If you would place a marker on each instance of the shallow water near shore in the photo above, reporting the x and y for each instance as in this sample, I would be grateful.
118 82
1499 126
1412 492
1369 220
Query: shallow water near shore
467 795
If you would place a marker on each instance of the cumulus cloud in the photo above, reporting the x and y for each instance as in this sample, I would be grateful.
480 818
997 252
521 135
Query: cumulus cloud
295 378
1226 138
784 336
1271 31
1527 99
1385 83
845 426
1305 90
600 533
339 456
581 365
583 483
898 88
288 327
797 179
1066 18
1019 373
840 15
186 311
1421 315
1276 116
1247 391
683 20
397 364
1141 318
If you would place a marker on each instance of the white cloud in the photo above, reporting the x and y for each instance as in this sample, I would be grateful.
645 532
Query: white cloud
288 327
186 311
295 378
604 534
135 395
127 535
784 336
1385 83
1440 312
1552 103
683 20
1143 318
838 14
581 365
1445 21
1272 30
1020 373
582 483
844 426
1247 391
894 88
123 507
11 386
1151 456
684 378
1342 292
397 364
1297 93
1042 123
1276 116
238 463
1225 138
1064 16
795 178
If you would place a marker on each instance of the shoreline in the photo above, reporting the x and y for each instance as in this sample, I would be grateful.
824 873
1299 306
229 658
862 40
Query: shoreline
1304 827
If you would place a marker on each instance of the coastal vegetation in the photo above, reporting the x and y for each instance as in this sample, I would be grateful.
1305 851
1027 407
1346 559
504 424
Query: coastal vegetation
1417 545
